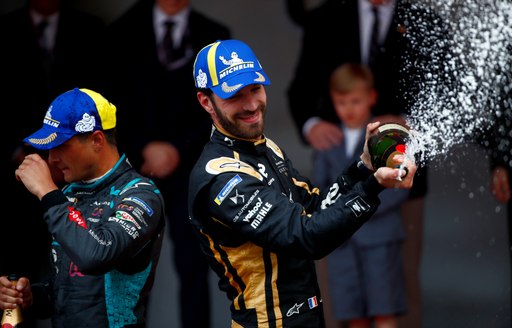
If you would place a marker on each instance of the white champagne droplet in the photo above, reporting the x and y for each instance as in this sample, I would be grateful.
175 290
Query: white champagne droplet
465 75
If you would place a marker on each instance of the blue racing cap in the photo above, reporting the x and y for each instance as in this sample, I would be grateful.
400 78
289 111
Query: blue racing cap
226 67
73 112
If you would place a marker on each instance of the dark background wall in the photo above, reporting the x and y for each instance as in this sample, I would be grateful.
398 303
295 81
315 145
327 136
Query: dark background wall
465 271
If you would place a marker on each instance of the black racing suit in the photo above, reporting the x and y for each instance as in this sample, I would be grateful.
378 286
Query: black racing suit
107 237
261 225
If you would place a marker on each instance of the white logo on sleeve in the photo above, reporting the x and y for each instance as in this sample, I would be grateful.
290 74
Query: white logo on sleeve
331 197
358 206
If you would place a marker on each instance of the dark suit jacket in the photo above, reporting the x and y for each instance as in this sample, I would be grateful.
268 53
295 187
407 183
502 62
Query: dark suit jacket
28 91
26 94
331 38
153 103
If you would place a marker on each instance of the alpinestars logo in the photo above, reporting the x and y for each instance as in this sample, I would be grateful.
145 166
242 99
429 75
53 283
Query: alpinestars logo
295 309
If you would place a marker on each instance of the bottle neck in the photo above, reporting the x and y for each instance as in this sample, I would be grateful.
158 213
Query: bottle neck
11 318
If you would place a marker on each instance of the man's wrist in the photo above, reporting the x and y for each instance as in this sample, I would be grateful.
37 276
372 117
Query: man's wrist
363 168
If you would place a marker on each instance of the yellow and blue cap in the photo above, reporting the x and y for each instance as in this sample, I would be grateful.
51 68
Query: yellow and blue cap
73 112
227 66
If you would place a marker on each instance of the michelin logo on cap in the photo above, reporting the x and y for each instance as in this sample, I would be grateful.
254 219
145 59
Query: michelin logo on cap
227 66
48 118
201 79
235 64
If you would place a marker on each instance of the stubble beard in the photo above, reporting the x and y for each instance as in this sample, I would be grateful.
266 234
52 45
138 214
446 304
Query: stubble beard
252 131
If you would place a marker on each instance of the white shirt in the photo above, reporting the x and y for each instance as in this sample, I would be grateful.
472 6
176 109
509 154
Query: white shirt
385 12
180 24
50 32
352 137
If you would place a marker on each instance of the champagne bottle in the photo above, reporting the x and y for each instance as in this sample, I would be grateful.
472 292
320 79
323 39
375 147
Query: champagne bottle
390 139
12 318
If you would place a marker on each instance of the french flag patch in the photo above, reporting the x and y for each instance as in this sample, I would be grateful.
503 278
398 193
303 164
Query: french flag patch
313 303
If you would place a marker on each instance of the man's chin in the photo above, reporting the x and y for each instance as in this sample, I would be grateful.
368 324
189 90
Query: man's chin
254 131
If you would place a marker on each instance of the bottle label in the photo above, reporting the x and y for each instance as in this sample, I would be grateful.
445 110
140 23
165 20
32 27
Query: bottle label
11 318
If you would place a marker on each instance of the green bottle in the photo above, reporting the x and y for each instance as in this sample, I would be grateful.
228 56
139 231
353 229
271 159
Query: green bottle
389 140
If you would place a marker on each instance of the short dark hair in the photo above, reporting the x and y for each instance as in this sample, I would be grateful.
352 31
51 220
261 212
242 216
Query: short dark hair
206 91
110 135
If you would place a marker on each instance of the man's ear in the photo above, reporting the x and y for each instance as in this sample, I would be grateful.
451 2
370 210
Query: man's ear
98 140
205 102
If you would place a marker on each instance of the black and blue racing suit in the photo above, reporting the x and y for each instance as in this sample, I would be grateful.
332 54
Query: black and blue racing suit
107 237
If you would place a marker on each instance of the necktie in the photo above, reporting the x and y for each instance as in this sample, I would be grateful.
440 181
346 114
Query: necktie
41 38
168 43
173 57
374 40
46 52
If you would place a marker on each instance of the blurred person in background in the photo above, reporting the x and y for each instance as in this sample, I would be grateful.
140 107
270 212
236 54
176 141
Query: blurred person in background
48 47
151 50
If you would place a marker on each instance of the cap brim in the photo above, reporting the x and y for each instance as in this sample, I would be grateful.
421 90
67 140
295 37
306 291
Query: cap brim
46 138
229 87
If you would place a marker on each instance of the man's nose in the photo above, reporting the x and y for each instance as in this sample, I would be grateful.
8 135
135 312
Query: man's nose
52 157
251 104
